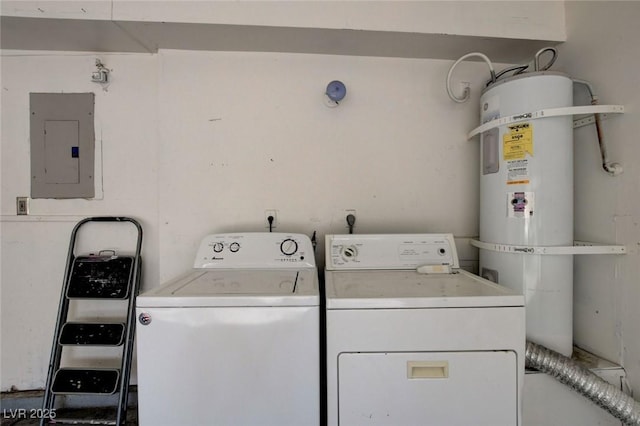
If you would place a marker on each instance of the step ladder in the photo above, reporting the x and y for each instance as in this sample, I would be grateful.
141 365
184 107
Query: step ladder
105 277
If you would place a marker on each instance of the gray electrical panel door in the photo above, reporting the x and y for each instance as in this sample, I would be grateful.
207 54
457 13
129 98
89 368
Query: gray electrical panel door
62 145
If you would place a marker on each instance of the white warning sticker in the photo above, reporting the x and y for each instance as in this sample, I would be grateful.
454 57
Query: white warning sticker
520 205
518 172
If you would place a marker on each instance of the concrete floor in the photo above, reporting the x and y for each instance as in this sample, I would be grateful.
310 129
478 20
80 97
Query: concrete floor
17 418
21 408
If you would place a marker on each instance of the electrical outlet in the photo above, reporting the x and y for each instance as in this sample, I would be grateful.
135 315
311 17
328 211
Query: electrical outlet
274 223
347 212
22 205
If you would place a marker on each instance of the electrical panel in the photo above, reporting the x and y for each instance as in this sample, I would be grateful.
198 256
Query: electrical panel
62 145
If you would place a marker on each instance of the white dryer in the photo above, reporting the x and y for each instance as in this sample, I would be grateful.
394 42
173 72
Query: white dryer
235 341
414 340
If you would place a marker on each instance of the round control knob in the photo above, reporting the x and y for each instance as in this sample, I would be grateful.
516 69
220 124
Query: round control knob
217 247
288 247
234 247
349 253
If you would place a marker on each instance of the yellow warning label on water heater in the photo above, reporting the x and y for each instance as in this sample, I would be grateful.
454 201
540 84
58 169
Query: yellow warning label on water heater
517 142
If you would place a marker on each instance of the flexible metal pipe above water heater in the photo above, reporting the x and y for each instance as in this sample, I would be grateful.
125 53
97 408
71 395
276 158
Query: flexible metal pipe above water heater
526 198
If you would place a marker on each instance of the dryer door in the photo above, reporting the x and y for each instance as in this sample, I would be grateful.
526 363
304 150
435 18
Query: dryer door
428 388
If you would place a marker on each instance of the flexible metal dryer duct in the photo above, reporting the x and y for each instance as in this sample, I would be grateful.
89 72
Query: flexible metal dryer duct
569 372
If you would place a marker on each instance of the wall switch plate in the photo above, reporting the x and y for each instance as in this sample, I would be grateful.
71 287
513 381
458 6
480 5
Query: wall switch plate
22 205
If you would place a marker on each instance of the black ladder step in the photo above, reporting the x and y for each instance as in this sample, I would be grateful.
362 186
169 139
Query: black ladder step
86 381
101 334
101 277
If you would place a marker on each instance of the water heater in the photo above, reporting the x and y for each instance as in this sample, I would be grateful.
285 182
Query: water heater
526 199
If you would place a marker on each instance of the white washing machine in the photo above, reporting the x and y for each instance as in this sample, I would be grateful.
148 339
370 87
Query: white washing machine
236 341
414 340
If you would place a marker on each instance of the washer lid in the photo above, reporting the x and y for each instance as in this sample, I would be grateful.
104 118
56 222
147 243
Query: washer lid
409 289
236 288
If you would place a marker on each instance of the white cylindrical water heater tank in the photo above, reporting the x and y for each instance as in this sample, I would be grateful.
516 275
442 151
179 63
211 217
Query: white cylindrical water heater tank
526 199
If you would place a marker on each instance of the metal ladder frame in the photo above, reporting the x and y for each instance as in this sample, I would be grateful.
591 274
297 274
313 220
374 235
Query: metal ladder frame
63 309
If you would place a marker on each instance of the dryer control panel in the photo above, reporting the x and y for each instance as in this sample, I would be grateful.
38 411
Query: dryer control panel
255 250
391 251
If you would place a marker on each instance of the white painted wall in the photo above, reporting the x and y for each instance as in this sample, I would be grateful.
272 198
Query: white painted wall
509 19
196 142
58 9
246 132
602 47
34 247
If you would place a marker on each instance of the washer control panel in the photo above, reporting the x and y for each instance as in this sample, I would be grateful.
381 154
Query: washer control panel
390 251
266 250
